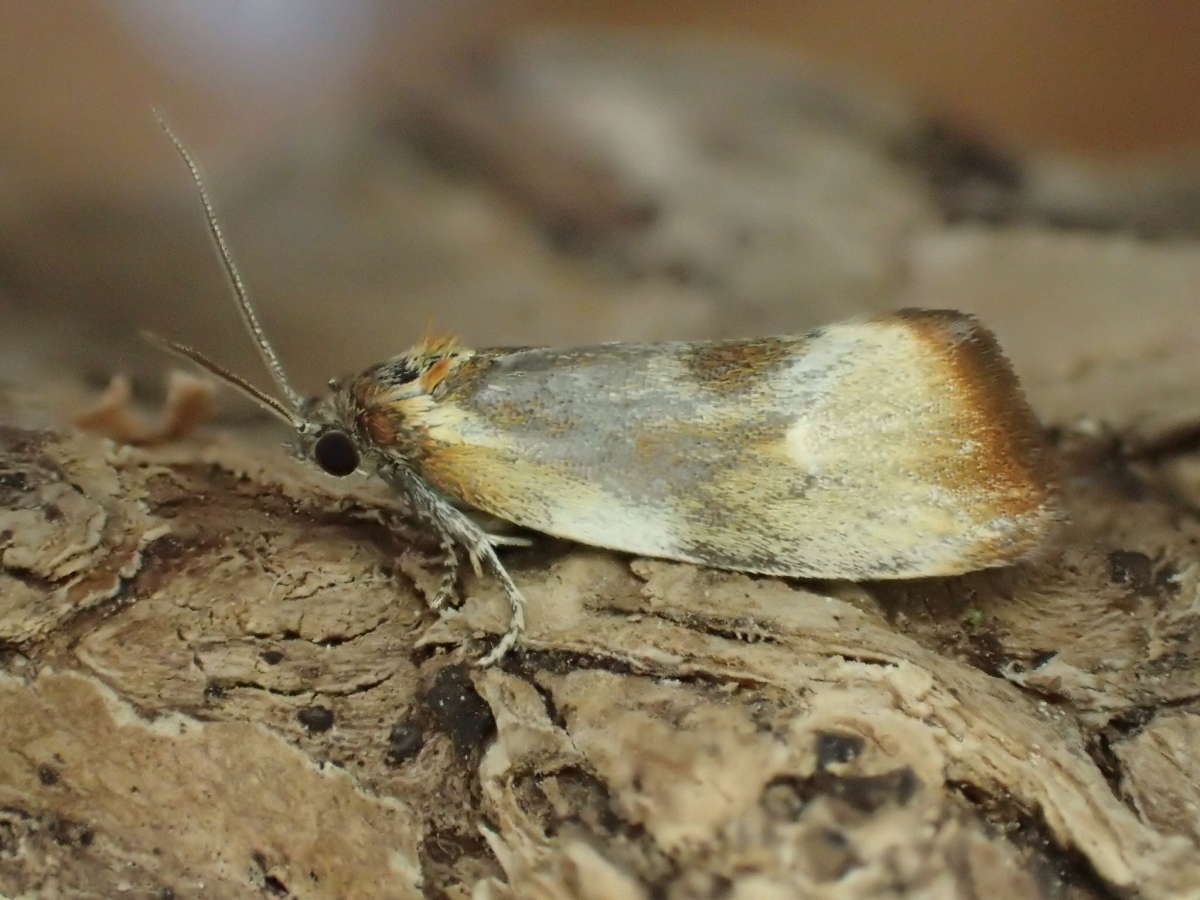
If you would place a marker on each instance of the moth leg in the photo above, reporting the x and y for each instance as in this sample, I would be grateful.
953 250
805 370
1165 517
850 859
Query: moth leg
450 563
509 540
446 588
485 551
455 526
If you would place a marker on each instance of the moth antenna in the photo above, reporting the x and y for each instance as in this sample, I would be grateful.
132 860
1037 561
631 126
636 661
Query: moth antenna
265 400
249 317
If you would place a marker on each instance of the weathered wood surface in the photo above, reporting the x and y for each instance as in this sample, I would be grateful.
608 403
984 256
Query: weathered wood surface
218 676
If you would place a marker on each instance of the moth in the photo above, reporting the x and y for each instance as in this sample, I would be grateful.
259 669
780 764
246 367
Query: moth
892 447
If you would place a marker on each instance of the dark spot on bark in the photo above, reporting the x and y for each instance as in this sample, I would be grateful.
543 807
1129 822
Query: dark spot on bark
1041 657
167 547
270 882
1167 580
316 718
867 793
590 802
1177 441
14 481
1102 745
986 651
1131 569
403 743
272 657
71 834
1066 867
448 847
837 748
52 513
47 775
458 710
785 796
1110 466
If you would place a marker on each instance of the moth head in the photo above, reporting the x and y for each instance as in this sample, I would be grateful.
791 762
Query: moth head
325 435
322 436
333 449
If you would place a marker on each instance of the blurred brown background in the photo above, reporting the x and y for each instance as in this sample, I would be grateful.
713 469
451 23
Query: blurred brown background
529 172
1110 80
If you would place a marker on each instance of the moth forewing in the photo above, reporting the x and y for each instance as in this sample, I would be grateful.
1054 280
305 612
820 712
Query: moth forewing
895 447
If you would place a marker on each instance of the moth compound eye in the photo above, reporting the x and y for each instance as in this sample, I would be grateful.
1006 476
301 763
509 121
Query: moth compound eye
335 453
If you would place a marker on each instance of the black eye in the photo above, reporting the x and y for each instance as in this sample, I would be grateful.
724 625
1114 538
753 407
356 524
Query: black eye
336 453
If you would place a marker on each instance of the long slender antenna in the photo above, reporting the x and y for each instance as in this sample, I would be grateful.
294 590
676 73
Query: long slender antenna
265 400
249 317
